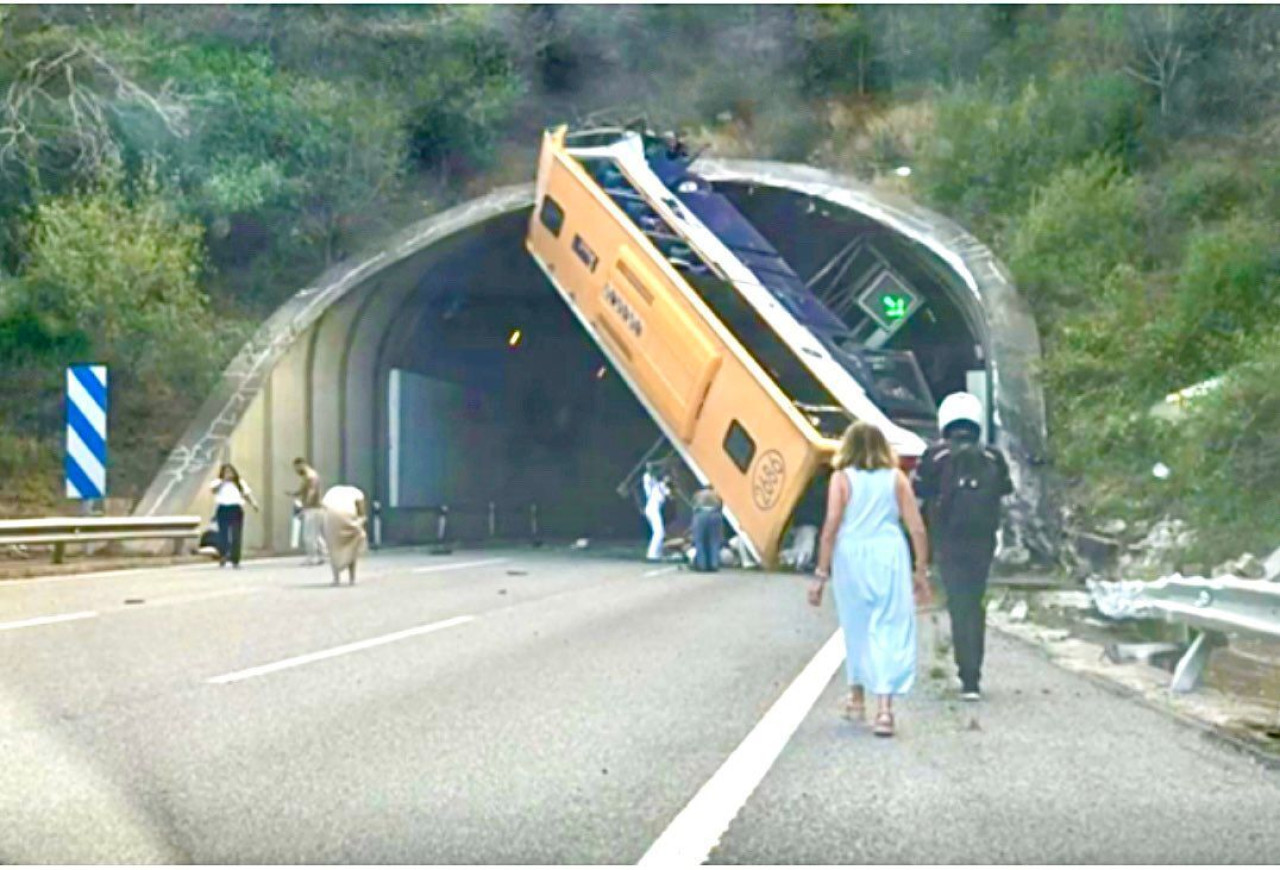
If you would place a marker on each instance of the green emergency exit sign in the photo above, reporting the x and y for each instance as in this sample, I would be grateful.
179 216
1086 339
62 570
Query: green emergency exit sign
888 302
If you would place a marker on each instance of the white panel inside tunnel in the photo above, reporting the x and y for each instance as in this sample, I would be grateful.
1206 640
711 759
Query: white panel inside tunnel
427 441
393 438
976 383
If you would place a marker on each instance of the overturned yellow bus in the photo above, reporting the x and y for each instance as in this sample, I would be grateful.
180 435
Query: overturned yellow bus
749 377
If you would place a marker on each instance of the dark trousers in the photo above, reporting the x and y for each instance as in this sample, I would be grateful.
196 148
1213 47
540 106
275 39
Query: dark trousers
964 566
708 533
230 532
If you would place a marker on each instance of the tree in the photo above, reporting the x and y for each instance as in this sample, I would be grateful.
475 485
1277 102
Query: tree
63 102
123 267
1161 51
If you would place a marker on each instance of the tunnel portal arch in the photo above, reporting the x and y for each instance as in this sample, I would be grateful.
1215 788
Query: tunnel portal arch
314 379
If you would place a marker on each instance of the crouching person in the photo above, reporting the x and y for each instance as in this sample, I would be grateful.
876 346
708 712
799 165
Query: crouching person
708 530
345 513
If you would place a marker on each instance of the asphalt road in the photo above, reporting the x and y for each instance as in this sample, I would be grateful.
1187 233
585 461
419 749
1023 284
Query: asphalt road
537 707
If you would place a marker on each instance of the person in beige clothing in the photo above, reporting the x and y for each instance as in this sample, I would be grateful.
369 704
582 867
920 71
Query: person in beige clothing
345 512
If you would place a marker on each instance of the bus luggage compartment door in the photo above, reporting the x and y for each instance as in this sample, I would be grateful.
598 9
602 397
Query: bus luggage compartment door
670 354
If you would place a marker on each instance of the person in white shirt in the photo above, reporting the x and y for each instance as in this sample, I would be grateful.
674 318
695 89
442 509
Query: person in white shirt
656 490
230 494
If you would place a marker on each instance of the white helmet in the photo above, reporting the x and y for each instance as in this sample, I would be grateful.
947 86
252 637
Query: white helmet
960 406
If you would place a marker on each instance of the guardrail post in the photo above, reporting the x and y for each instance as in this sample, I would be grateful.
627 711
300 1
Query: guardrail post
59 550
1189 673
493 520
533 520
377 525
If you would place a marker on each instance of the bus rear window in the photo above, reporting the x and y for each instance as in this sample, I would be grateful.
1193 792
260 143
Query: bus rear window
551 215
739 446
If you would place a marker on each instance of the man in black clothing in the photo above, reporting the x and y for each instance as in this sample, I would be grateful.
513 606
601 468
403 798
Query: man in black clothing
961 481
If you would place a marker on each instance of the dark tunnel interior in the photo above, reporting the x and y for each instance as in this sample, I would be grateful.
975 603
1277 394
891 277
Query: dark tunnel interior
488 414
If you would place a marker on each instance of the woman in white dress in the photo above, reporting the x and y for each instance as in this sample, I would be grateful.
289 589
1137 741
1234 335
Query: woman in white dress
864 553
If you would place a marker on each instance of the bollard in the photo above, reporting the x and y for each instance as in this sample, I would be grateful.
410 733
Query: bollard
493 520
377 525
441 548
533 524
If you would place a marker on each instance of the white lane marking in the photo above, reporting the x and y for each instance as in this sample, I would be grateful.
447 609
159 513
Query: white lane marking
337 651
456 565
658 572
690 838
48 620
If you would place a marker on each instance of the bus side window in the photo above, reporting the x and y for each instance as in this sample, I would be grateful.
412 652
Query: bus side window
551 215
739 445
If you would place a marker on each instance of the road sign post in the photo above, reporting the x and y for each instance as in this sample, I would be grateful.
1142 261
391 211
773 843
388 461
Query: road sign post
86 459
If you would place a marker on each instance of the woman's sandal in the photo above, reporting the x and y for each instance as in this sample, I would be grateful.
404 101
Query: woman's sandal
884 725
855 710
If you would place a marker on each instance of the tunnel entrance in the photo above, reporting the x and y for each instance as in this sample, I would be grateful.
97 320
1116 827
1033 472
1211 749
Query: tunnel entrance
496 399
398 372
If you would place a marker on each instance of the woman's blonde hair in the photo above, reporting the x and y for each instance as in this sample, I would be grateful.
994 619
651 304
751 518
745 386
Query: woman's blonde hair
865 448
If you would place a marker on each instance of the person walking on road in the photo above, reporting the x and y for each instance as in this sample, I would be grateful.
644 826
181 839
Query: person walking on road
962 483
312 515
345 512
230 494
656 491
863 551
707 529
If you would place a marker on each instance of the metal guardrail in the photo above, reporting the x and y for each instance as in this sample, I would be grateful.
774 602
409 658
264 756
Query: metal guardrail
60 531
1213 608
498 520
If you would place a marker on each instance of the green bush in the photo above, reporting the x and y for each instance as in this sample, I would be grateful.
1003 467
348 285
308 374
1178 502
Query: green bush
30 471
990 152
1227 462
1206 190
1081 225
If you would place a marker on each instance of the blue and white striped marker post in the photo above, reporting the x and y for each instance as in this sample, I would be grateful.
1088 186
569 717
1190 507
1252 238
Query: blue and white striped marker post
86 432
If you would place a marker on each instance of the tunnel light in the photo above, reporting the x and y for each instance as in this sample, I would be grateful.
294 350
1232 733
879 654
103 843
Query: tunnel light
514 339
903 171
601 372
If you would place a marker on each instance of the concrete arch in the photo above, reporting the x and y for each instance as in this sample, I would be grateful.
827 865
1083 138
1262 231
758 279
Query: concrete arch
313 379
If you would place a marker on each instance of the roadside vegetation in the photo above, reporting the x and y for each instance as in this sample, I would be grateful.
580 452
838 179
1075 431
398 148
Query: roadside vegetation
168 175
